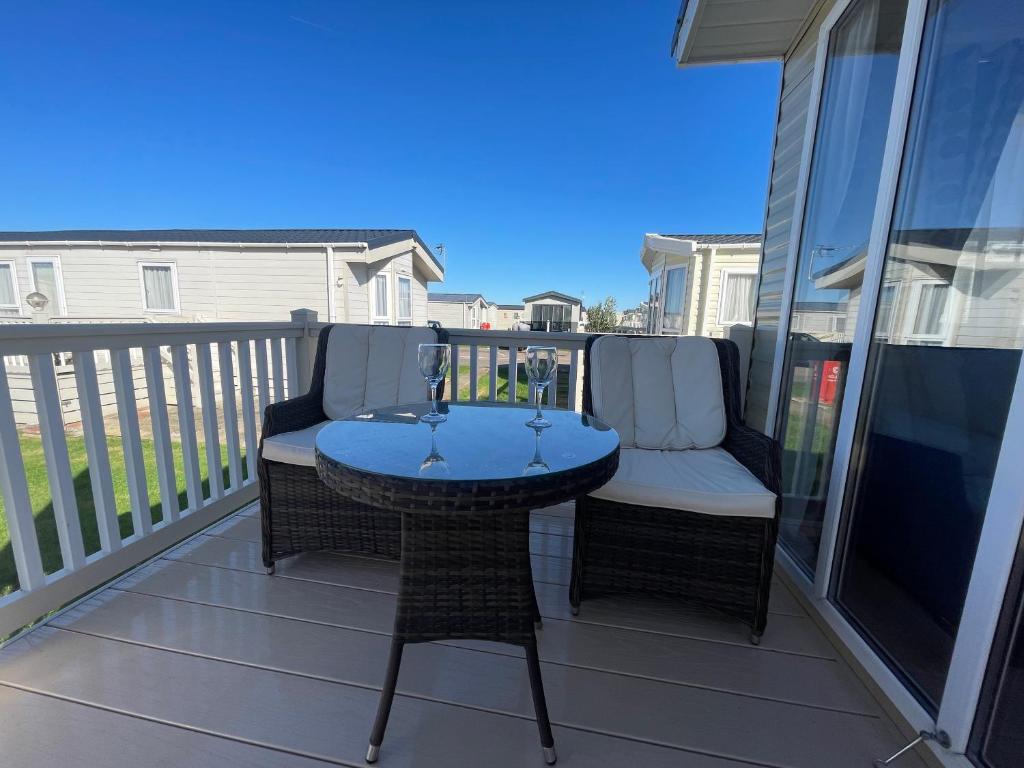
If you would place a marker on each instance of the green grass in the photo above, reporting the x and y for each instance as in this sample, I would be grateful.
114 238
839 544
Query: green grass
42 507
483 384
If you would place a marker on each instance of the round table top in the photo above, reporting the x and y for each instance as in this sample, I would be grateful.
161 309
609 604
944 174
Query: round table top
484 456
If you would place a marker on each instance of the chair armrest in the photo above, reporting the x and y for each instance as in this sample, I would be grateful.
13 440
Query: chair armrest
757 452
291 415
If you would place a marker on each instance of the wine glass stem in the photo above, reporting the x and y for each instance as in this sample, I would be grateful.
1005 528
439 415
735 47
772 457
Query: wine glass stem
433 398
539 394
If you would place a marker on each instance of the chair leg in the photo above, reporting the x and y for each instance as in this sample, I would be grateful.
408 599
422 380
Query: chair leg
547 740
387 696
578 556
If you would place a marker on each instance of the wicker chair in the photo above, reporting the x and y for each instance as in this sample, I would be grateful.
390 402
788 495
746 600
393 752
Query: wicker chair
693 510
356 367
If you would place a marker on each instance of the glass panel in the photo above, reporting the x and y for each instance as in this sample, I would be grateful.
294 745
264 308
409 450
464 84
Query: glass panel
381 295
675 283
158 285
44 277
736 303
998 738
942 366
654 306
846 165
404 297
8 298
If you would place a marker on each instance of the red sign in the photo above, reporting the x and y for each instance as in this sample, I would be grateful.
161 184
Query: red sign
829 382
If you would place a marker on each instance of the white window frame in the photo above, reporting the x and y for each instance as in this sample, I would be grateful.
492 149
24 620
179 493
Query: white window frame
58 273
174 287
403 319
14 285
910 316
380 318
664 298
726 273
897 294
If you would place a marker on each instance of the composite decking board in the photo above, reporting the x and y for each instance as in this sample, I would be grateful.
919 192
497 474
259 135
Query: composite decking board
194 691
245 528
39 731
344 654
372 610
316 718
325 566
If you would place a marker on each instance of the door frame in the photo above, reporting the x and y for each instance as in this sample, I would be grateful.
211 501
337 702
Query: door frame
1004 518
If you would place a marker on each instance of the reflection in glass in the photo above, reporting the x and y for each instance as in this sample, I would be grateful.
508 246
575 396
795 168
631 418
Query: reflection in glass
540 367
434 360
947 345
434 465
537 465
857 91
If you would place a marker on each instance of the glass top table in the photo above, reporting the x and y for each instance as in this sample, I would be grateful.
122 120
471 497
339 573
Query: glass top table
479 443
465 488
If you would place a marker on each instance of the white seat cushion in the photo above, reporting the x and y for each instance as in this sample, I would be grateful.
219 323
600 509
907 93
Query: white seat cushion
294 447
709 481
373 366
663 394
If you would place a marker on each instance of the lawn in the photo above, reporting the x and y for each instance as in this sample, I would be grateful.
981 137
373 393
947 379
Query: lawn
39 493
483 384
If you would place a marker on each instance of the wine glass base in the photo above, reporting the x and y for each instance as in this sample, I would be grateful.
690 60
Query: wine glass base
538 422
433 418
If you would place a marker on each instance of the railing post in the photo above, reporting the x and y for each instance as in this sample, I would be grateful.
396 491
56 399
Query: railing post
305 348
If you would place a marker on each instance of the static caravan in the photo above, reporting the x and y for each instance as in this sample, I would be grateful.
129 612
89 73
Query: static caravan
888 329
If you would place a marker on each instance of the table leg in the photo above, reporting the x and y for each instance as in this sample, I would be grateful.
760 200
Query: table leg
465 575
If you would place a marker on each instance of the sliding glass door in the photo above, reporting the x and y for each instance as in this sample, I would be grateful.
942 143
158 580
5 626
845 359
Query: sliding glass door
946 346
856 99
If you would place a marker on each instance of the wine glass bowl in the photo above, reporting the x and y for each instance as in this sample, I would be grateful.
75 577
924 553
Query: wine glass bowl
540 368
434 361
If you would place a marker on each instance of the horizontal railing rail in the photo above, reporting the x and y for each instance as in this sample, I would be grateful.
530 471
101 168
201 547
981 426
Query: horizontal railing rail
161 443
490 365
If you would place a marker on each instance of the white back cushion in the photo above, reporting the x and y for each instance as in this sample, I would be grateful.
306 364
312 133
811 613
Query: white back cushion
373 366
662 394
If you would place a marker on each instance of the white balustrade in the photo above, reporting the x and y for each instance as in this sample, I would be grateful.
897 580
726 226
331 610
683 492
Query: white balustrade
130 388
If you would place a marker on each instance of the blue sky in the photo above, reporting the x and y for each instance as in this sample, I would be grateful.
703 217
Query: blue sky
537 140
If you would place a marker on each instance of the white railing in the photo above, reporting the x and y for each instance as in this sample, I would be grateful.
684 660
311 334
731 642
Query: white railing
227 371
136 406
481 355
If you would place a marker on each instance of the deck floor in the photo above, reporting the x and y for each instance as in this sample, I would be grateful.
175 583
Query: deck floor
199 659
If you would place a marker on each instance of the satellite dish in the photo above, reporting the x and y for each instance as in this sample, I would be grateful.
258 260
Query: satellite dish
37 301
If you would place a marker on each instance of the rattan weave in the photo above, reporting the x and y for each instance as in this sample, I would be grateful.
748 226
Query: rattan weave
297 512
721 562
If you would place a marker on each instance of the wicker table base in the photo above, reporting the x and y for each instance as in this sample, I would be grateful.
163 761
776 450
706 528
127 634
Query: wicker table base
465 575
465 543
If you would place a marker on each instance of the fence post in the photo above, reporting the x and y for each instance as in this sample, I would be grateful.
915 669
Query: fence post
305 347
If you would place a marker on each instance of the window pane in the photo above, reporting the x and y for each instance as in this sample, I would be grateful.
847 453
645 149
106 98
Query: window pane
846 165
44 276
381 297
404 297
7 295
737 298
675 282
940 376
158 284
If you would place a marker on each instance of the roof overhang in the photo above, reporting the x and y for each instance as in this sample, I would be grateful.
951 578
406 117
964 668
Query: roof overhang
660 250
421 255
729 31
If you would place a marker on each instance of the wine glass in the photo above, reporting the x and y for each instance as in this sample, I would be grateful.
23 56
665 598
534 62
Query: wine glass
434 465
540 367
434 360
537 465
